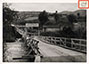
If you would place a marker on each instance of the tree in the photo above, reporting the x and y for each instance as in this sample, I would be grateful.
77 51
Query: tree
78 14
56 16
43 18
72 18
8 17
67 32
8 14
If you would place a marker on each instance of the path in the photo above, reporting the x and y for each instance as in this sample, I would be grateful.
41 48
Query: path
56 53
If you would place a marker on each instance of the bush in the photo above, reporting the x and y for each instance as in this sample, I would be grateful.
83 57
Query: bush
10 34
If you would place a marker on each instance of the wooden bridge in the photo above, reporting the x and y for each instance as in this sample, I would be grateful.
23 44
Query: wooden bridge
69 43
56 49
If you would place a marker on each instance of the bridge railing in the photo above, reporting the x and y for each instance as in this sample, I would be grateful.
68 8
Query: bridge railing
33 44
70 43
33 50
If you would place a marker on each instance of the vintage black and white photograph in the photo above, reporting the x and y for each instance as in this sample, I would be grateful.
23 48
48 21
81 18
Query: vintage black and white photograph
44 32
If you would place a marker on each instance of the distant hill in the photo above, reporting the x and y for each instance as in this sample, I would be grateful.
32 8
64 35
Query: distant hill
66 12
29 13
81 12
32 16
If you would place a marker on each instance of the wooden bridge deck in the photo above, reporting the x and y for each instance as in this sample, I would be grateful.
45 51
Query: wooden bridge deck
56 53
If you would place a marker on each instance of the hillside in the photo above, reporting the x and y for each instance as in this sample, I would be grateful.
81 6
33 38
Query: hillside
32 16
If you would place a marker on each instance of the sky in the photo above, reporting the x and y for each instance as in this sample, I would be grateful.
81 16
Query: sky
49 7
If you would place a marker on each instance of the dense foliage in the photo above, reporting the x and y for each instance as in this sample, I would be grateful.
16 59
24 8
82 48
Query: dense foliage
9 32
73 27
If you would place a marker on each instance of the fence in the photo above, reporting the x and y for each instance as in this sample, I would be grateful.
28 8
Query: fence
33 44
70 43
33 51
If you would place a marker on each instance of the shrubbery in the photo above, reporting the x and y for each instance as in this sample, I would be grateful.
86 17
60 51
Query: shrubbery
9 32
68 33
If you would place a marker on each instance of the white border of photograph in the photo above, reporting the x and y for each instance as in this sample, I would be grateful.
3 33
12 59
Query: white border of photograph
37 1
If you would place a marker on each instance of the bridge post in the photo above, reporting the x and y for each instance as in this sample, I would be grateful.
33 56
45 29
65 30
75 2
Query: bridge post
37 58
80 44
72 43
64 42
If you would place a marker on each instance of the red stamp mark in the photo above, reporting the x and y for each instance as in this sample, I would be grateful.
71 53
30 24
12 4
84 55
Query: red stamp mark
83 4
